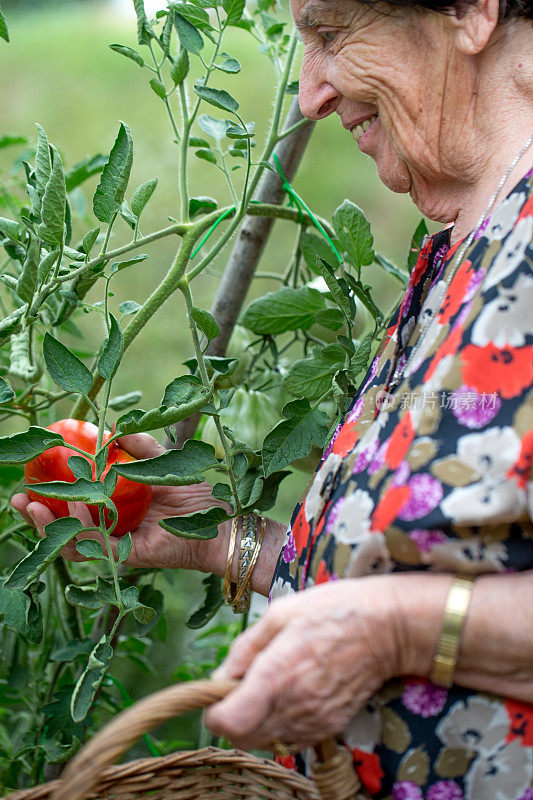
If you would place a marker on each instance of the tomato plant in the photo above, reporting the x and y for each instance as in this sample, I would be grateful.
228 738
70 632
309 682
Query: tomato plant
132 500
266 405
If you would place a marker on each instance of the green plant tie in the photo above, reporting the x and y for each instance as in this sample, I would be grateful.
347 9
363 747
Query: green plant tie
301 204
211 229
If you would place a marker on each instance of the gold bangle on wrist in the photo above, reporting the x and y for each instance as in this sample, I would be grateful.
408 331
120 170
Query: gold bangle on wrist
238 595
455 611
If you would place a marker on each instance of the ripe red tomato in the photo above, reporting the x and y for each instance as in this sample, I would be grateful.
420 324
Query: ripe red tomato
131 499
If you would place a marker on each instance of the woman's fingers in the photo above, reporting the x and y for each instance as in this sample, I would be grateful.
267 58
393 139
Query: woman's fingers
141 445
20 503
40 516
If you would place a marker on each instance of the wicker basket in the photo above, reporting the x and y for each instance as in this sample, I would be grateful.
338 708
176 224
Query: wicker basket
190 775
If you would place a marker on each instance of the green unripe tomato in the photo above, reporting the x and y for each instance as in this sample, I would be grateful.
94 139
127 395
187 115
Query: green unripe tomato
251 415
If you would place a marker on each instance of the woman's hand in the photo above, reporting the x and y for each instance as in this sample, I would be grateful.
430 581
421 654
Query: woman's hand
152 546
309 664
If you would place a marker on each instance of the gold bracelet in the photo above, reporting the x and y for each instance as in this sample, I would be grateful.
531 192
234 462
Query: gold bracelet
241 601
226 586
455 611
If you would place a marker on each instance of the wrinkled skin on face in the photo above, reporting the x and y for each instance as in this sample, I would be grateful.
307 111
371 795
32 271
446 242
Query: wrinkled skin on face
430 78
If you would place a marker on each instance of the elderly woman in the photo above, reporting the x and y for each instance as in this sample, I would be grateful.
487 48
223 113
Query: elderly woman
371 633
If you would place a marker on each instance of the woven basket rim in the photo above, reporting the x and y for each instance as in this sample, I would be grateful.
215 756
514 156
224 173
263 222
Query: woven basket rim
188 759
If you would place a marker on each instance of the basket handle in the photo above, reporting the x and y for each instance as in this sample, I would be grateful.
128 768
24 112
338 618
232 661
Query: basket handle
85 770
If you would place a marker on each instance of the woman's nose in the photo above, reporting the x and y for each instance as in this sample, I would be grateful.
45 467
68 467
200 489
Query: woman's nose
317 97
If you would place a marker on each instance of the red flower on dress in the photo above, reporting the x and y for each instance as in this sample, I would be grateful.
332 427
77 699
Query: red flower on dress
323 575
524 466
448 348
346 439
527 209
454 298
400 441
368 768
491 369
300 530
389 506
521 722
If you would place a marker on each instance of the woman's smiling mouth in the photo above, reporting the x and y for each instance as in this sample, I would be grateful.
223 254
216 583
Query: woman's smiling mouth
358 130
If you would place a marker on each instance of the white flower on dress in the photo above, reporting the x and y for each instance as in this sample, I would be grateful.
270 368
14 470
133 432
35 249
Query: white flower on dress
280 588
318 493
364 731
504 775
370 556
349 519
467 555
504 217
507 319
490 453
477 724
493 498
511 254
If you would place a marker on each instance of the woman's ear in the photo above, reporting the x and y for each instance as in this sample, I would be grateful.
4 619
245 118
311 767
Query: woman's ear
474 25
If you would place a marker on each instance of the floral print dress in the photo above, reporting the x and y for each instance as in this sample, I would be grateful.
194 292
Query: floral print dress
433 473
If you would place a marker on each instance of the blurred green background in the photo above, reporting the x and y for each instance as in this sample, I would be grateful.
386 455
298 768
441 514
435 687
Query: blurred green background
58 70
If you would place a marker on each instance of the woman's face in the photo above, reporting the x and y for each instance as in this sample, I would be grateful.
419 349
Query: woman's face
397 83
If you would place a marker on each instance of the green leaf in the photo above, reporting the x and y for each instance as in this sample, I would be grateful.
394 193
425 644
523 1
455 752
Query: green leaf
89 240
195 14
359 361
127 215
286 309
353 231
46 265
19 448
312 376
82 490
202 205
83 170
206 155
27 282
181 390
80 467
189 36
250 487
238 132
115 176
4 34
200 525
20 613
331 318
158 88
293 437
110 482
139 421
57 534
91 548
217 97
118 266
416 243
336 289
6 392
73 649
91 679
92 597
213 127
197 141
112 350
129 52
142 196
212 601
10 228
11 324
144 29
180 67
122 401
173 468
124 546
150 598
8 140
234 10
222 491
270 490
142 613
53 208
313 247
230 65
129 307
363 293
206 322
66 369
43 162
